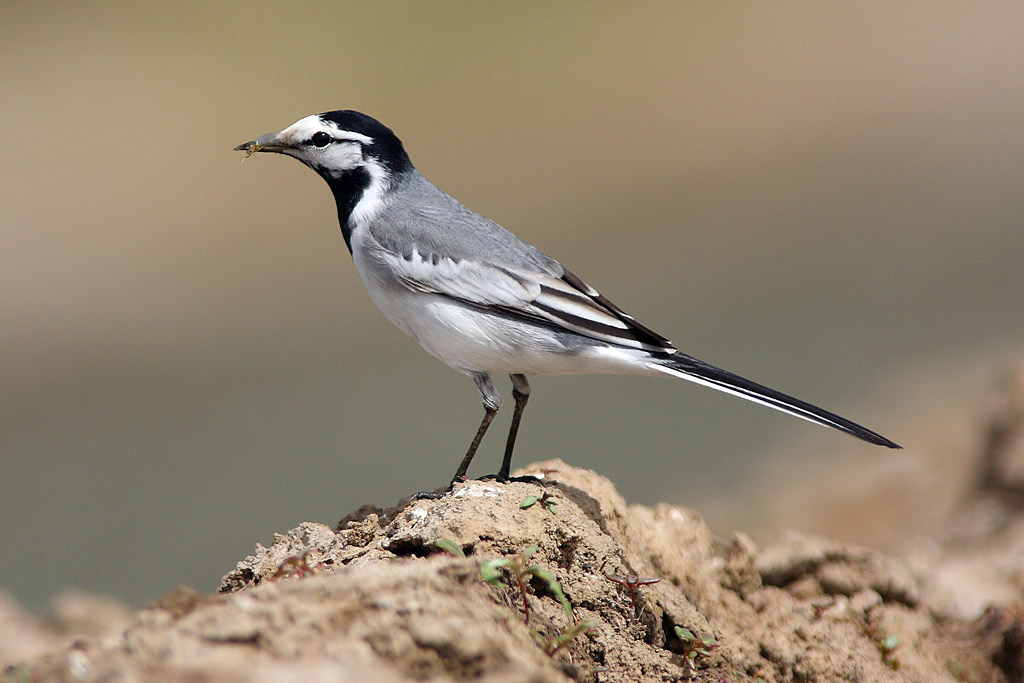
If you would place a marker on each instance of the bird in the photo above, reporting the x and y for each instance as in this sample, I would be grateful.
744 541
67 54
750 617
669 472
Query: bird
476 296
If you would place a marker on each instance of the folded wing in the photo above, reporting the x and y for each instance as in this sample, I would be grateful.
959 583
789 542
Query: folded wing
563 301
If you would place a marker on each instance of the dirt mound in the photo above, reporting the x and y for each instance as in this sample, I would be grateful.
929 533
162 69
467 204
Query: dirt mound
561 580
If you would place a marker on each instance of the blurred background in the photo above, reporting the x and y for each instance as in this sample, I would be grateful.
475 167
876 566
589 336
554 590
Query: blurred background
825 198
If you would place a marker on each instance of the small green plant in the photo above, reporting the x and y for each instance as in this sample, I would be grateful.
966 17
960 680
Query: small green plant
297 566
556 589
695 645
450 547
631 582
886 643
493 572
546 500
551 646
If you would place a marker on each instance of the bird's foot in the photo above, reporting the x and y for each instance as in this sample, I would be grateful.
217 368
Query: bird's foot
436 494
527 479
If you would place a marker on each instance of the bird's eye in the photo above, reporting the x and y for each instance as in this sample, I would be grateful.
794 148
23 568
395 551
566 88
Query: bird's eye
321 139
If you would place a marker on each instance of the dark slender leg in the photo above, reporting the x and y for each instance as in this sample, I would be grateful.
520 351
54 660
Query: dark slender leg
464 465
492 401
521 393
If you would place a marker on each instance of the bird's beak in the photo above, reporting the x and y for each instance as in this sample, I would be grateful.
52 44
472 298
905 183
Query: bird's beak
271 142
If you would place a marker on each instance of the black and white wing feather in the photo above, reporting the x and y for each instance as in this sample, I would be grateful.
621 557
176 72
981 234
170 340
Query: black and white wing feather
559 299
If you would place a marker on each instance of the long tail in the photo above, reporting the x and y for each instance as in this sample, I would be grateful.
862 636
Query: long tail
689 368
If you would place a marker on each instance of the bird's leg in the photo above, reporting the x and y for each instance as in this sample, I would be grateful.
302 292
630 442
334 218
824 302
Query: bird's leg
492 401
521 393
484 424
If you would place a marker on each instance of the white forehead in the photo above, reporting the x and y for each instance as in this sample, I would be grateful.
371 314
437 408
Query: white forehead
303 129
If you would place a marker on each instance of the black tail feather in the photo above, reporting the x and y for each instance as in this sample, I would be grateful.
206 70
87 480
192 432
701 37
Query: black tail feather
695 370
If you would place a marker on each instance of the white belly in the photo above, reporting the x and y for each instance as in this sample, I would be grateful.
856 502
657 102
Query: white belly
472 340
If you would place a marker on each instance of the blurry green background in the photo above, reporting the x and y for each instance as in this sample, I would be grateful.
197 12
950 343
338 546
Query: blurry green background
828 198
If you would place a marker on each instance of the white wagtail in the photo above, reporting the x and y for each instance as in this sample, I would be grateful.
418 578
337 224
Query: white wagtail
476 296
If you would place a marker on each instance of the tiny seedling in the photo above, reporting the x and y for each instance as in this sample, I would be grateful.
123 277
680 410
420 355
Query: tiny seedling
695 645
556 589
822 605
450 547
546 500
551 646
887 644
631 582
492 572
544 472
297 566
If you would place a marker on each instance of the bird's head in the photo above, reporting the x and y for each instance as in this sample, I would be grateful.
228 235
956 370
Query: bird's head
337 143
359 157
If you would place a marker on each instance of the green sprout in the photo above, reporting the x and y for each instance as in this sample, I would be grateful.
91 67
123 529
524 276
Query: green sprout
298 566
887 644
695 645
450 547
551 646
546 500
494 571
632 582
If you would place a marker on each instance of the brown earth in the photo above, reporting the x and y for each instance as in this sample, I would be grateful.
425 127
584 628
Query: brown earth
378 599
